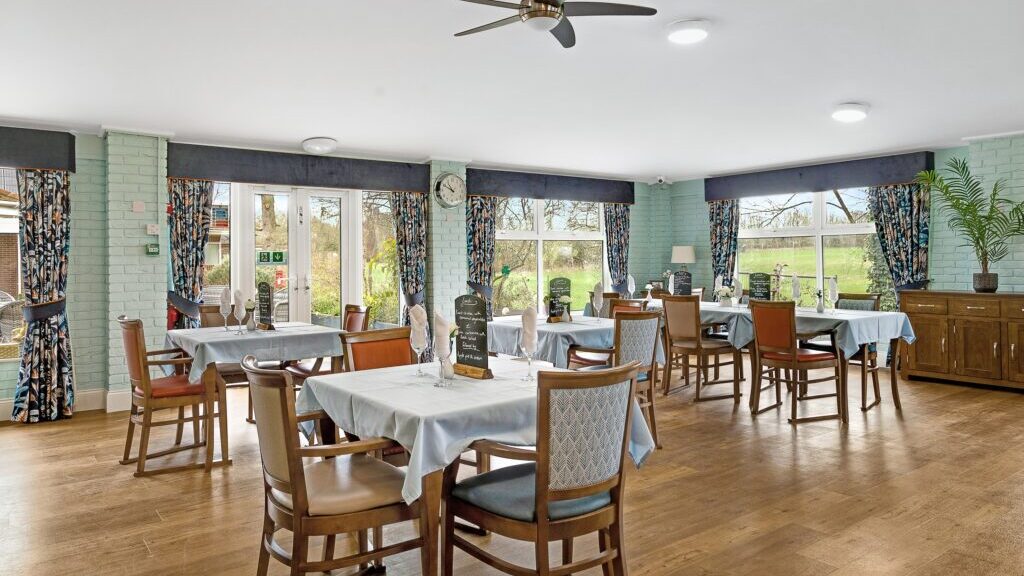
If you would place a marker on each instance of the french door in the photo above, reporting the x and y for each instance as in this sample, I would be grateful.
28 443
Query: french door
304 242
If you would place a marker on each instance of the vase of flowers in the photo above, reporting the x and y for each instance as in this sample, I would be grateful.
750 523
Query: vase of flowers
821 302
725 294
565 301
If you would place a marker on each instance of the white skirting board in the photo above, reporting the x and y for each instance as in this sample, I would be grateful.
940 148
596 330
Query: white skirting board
86 400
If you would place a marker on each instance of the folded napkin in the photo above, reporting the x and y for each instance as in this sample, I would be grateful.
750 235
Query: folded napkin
630 284
239 304
833 289
529 341
418 322
598 298
442 345
737 286
718 282
796 288
225 302
671 284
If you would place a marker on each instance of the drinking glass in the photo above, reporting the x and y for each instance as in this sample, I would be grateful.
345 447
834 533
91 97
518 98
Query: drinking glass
833 295
225 315
239 313
529 363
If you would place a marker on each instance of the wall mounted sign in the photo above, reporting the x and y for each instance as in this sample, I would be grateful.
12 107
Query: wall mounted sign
271 257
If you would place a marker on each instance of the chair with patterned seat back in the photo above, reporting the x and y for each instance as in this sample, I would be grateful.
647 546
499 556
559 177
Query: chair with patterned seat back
570 486
345 490
150 395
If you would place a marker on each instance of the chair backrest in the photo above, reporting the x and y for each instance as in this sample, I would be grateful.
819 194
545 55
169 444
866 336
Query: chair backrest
583 424
606 298
377 349
698 292
859 301
209 317
356 318
636 338
658 293
682 318
5 297
774 325
273 406
616 305
134 338
10 318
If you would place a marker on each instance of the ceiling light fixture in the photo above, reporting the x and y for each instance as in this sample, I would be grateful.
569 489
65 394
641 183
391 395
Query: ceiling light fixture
849 112
320 145
688 31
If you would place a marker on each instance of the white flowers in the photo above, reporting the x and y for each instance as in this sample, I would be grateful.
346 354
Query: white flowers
666 274
565 299
724 292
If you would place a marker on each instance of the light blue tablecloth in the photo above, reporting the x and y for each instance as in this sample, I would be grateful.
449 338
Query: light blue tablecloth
553 340
436 425
289 341
853 327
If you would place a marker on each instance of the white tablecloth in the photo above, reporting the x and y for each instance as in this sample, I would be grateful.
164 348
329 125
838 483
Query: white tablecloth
554 340
853 327
289 341
435 424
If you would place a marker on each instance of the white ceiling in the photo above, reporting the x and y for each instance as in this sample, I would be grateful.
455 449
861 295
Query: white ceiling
388 79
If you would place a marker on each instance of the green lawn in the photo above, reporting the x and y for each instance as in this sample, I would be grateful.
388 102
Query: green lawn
846 263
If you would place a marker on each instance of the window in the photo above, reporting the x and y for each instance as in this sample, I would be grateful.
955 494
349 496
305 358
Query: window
217 273
546 239
10 265
817 236
380 260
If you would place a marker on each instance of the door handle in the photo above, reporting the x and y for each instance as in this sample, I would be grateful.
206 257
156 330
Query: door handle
995 349
943 344
975 307
1013 351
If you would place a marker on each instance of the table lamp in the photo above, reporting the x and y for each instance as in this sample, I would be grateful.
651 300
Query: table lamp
683 255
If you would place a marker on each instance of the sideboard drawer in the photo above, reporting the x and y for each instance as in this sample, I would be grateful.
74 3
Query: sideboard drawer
914 304
1013 308
980 307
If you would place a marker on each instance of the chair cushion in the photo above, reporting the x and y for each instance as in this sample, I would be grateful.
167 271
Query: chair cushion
171 386
304 368
705 343
802 355
588 358
511 492
348 484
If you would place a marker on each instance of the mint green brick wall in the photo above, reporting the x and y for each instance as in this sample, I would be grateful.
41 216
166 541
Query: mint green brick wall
662 218
691 228
952 266
446 249
136 171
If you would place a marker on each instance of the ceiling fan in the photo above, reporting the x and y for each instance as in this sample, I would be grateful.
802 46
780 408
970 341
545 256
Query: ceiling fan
553 15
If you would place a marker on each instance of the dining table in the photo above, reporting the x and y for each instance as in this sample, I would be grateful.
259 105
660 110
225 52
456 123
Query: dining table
554 339
437 424
288 341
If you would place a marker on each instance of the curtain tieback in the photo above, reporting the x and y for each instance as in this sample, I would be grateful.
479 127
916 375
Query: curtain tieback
43 310
483 291
183 305
414 299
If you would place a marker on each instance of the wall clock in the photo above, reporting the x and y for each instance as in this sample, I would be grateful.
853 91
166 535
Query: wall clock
450 190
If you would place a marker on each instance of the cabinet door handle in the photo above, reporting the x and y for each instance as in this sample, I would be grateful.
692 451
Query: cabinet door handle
933 306
1013 350
943 344
975 307
995 349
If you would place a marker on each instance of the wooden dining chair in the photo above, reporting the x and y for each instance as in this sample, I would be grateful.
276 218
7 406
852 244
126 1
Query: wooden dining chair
355 318
230 373
348 490
777 354
377 349
571 486
625 305
698 292
685 337
150 395
636 340
605 311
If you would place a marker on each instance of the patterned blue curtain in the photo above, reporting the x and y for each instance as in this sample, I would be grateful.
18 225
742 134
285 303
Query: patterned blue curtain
46 378
724 217
480 226
410 210
189 220
616 229
902 215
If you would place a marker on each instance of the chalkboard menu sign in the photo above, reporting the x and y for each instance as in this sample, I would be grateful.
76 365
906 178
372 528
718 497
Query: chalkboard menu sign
557 288
471 342
265 302
682 283
760 286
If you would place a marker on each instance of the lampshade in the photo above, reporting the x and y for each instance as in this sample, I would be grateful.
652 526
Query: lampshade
683 255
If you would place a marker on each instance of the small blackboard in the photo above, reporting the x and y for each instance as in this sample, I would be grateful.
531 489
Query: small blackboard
760 286
471 342
557 288
265 301
682 283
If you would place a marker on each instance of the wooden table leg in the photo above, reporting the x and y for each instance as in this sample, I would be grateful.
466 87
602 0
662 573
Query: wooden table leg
217 389
844 392
894 375
430 498
336 364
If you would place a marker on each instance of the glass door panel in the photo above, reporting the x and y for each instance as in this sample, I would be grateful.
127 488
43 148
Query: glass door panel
324 283
271 228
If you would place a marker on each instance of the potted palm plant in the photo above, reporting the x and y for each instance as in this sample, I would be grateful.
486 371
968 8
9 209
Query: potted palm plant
985 219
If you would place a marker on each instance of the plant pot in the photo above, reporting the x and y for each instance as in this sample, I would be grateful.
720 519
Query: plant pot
986 283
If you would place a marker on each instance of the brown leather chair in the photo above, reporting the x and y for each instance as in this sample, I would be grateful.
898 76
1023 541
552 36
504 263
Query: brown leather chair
150 395
377 349
348 490
355 319
552 497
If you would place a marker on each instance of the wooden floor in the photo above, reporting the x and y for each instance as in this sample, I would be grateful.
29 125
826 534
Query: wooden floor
938 491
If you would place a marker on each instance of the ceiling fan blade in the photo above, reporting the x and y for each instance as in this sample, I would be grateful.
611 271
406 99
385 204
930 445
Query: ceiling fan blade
605 9
492 25
565 33
495 3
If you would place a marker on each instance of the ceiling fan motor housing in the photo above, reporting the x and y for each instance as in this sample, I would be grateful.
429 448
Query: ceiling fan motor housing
540 15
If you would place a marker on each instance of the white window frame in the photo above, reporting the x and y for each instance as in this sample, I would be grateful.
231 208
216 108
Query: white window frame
818 230
540 235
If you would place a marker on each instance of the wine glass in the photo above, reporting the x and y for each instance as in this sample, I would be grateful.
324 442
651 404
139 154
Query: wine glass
238 312
833 293
419 351
225 312
529 361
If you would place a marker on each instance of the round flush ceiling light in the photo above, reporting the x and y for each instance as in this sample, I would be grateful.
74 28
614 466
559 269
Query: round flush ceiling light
320 145
850 112
688 31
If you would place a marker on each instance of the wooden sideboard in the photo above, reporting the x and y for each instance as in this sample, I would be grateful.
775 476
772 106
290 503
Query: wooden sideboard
965 337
